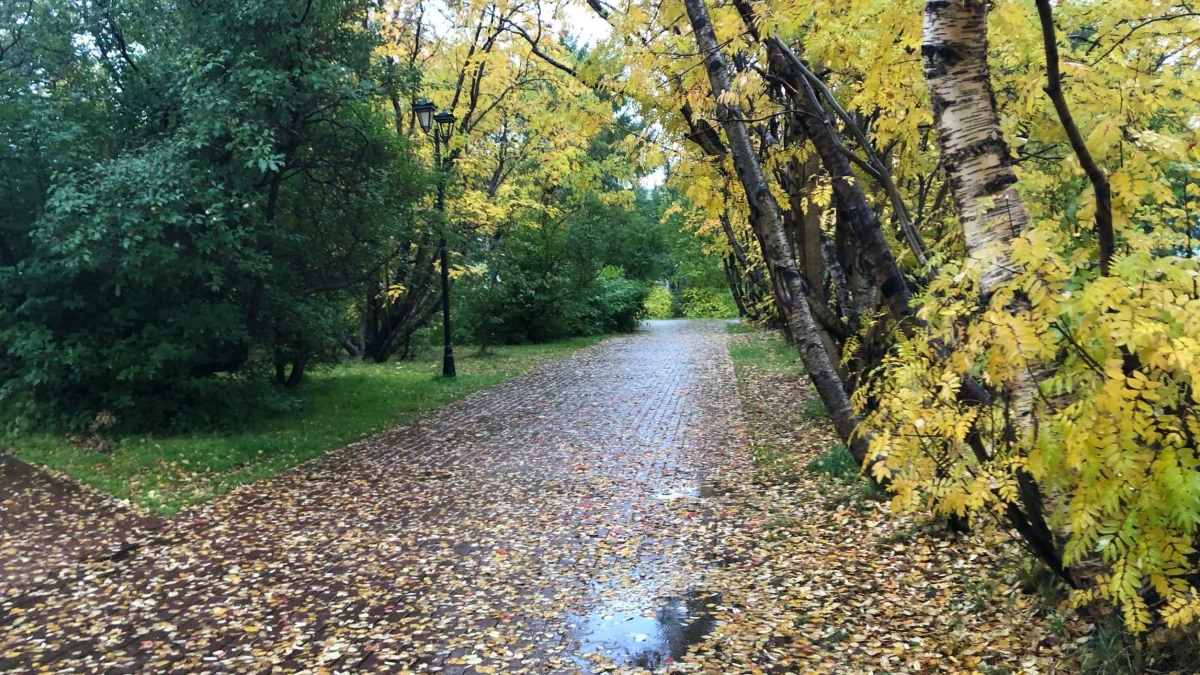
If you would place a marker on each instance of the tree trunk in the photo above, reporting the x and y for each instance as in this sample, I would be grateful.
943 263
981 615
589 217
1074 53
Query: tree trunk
974 153
801 183
735 286
297 374
391 320
857 211
765 218
837 281
1104 222
753 278
819 128
978 165
366 321
981 177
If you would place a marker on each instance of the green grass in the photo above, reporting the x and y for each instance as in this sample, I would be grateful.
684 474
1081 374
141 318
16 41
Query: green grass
813 410
333 407
773 466
767 350
837 463
758 353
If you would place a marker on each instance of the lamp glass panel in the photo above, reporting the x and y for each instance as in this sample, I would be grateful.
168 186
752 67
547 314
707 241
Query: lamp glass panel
445 121
424 110
425 118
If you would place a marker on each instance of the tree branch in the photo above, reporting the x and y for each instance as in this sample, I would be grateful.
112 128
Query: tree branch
533 46
880 172
600 8
1104 224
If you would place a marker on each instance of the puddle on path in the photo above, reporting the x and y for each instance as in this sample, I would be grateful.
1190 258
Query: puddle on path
647 637
689 489
642 621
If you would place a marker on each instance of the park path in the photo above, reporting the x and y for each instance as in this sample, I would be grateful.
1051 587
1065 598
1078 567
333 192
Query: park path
552 524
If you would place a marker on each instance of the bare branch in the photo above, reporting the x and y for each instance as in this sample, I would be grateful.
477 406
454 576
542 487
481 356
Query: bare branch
1104 224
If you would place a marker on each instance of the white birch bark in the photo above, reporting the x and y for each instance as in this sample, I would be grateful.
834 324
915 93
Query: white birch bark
974 153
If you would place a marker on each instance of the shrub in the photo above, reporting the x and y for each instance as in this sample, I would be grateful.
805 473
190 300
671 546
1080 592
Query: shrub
707 303
617 304
659 303
530 305
208 227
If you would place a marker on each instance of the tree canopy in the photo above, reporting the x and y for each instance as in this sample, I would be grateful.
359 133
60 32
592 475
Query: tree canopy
194 201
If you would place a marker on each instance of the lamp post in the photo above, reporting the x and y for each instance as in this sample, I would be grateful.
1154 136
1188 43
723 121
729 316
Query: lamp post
442 130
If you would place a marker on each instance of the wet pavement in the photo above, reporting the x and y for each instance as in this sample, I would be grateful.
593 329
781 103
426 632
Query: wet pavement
552 524
644 632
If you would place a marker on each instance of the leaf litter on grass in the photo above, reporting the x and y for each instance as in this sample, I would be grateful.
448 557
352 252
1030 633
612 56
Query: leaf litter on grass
817 579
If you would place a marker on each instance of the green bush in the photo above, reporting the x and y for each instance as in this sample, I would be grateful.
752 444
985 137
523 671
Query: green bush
707 303
616 304
532 302
175 232
659 302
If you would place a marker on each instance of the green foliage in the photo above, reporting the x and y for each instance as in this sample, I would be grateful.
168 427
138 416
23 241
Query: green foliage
618 304
187 209
533 293
695 278
566 276
335 406
199 194
707 303
659 303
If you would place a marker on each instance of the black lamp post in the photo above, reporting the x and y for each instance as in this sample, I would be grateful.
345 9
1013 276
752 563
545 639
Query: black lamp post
441 134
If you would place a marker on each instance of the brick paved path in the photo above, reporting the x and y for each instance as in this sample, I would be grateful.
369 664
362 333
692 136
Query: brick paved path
533 527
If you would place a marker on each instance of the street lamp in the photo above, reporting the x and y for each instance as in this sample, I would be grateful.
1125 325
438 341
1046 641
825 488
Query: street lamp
441 134
424 111
445 122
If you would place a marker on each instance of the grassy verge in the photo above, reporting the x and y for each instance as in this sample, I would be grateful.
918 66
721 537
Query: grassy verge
762 349
789 435
768 368
333 407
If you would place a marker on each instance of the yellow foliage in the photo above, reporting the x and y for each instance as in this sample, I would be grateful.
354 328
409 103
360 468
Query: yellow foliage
524 127
1115 359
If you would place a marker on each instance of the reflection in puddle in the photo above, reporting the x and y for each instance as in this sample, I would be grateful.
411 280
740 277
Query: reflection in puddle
689 489
652 637
678 492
